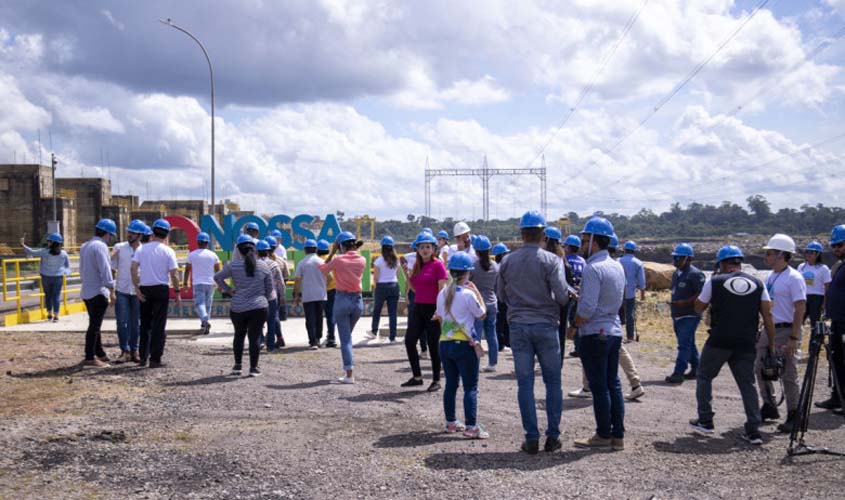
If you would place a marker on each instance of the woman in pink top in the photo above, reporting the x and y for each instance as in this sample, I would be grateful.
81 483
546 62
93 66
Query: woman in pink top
427 278
348 269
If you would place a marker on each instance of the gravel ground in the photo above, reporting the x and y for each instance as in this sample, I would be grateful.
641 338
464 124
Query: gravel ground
191 431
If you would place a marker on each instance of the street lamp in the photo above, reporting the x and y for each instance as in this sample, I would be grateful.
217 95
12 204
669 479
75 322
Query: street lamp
168 22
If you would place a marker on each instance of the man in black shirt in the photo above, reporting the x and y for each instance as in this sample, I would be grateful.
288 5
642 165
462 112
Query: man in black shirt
737 302
835 311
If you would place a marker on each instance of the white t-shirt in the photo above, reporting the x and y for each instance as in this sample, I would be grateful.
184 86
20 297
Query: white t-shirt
122 262
450 250
815 277
281 252
707 293
385 273
202 263
465 309
313 285
155 260
411 259
785 288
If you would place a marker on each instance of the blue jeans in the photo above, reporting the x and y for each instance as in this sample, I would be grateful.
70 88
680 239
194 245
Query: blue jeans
630 317
600 359
459 360
127 309
540 340
386 292
203 300
348 308
52 286
687 351
488 326
330 295
273 324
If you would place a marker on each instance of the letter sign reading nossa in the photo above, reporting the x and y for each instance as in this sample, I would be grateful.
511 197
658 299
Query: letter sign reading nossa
293 229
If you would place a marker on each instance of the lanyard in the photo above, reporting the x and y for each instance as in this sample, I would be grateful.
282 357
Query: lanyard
770 287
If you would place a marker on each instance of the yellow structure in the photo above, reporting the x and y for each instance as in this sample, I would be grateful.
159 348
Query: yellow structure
564 225
365 219
12 274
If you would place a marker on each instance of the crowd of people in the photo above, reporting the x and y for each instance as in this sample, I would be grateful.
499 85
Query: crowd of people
530 300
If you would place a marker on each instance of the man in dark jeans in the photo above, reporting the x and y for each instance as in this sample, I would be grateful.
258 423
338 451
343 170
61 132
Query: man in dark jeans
737 301
97 288
835 310
151 265
309 289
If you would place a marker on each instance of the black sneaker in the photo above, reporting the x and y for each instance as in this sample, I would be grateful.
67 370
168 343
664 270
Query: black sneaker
573 354
786 426
254 372
236 370
691 375
769 412
829 404
530 446
552 444
331 344
752 437
434 387
675 378
412 382
700 427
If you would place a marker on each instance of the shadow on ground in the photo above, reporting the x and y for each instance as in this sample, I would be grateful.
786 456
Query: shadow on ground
515 460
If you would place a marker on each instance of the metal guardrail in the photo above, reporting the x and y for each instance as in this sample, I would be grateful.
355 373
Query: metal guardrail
18 277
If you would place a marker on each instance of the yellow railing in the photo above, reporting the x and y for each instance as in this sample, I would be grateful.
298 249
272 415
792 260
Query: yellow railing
12 274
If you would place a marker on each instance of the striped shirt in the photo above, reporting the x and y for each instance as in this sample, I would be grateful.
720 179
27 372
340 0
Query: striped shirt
249 293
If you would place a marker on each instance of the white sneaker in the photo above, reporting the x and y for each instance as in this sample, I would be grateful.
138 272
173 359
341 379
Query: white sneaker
489 369
581 393
370 336
346 380
636 392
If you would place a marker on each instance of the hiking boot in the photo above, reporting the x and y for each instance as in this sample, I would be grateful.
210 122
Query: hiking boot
412 382
453 427
702 427
530 446
752 437
675 378
552 444
769 412
636 393
617 444
96 363
786 426
124 357
831 403
476 432
133 356
595 442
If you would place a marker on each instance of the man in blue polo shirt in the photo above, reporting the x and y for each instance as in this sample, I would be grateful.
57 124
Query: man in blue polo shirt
687 283
634 280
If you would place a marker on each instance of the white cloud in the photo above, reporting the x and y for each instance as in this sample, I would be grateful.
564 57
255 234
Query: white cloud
96 118
111 19
17 112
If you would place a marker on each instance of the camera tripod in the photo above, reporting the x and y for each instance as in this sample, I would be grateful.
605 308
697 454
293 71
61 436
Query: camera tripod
797 446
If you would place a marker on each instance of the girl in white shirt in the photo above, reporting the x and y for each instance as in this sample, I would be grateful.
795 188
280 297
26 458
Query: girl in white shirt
459 305
387 287
817 278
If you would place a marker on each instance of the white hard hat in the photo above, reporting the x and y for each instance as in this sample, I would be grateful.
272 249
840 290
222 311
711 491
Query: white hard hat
460 228
780 242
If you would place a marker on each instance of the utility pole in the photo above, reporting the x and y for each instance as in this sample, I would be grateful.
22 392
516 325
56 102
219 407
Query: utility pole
54 226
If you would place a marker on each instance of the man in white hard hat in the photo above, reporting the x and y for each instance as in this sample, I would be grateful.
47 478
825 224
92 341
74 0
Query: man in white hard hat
788 292
463 242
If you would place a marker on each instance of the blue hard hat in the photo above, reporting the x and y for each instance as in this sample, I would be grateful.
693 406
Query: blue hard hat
473 239
245 239
500 249
161 224
55 237
262 246
311 244
275 233
553 233
838 234
203 238
252 226
683 250
532 218
814 246
630 245
573 241
598 226
344 236
136 226
387 241
614 242
107 225
461 261
413 245
443 234
271 241
428 230
729 252
482 243
147 230
425 237
323 245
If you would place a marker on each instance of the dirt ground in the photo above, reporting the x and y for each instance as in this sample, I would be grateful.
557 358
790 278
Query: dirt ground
192 431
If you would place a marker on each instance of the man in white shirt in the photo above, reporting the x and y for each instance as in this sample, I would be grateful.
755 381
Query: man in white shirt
788 292
200 268
127 307
463 243
151 266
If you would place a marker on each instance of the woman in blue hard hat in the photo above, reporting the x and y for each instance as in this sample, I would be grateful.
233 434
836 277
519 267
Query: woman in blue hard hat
251 293
54 266
460 306
817 277
483 276
387 287
442 242
273 329
348 268
503 334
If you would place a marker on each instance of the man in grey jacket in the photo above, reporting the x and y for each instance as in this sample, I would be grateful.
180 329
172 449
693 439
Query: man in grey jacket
532 284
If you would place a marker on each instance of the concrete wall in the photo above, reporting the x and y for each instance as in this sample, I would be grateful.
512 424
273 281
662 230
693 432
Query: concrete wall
91 194
66 214
21 190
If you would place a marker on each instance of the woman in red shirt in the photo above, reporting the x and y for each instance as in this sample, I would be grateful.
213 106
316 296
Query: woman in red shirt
427 278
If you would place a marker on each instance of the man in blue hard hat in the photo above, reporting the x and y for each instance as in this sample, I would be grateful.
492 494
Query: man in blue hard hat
97 288
600 329
531 283
127 307
200 268
153 266
835 311
738 301
634 280
687 283
309 290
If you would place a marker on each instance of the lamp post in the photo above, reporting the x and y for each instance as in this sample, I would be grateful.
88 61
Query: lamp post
168 22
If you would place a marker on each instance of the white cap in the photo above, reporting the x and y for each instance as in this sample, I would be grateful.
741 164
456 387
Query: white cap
780 242
460 228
